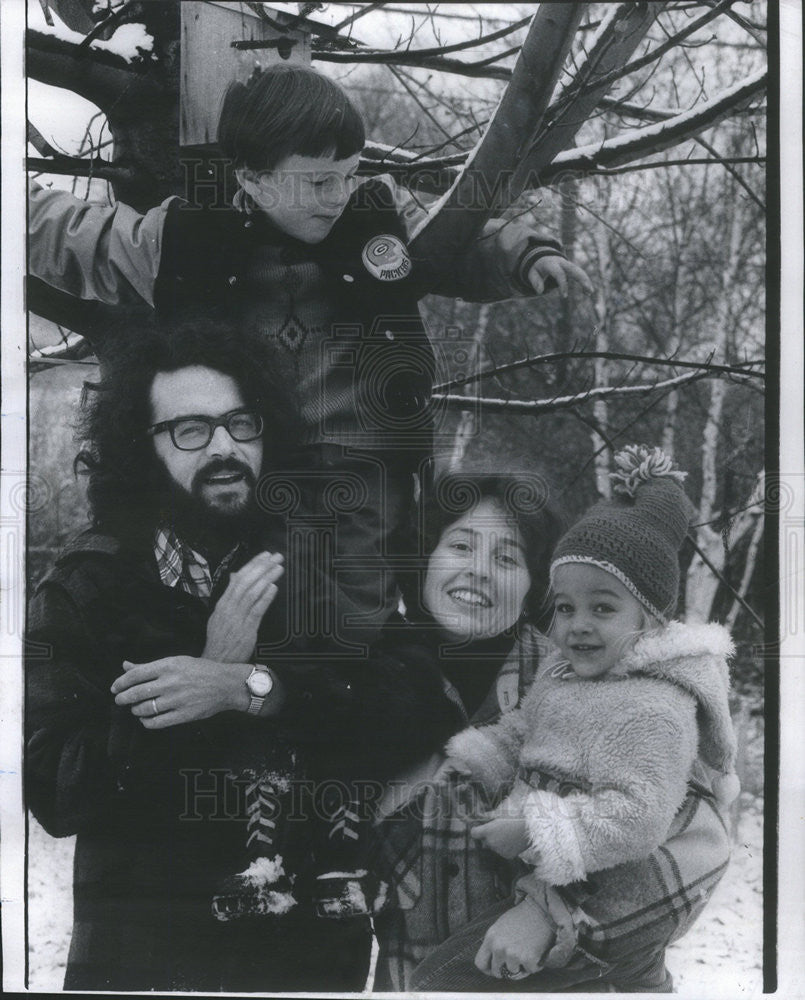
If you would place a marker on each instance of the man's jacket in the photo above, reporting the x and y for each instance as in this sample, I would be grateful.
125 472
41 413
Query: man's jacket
158 818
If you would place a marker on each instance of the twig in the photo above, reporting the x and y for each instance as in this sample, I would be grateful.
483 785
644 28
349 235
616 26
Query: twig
654 54
742 368
425 111
719 576
361 12
533 406
727 165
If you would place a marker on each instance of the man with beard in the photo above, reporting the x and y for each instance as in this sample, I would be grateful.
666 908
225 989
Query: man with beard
144 682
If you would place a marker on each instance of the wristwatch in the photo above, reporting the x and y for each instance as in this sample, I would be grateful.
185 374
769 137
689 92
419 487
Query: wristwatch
259 682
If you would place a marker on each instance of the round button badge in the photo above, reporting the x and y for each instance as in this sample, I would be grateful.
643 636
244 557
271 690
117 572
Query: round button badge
386 258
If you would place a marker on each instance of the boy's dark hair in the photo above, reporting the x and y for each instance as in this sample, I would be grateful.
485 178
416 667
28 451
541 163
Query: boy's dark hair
524 497
286 110
126 485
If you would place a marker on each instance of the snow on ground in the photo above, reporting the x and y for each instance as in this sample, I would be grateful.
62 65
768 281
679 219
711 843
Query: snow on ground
720 957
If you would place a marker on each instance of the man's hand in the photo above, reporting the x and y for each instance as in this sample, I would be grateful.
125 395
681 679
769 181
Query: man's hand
506 837
180 689
559 270
232 626
515 943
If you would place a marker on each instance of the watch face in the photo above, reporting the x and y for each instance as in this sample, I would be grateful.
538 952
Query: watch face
260 683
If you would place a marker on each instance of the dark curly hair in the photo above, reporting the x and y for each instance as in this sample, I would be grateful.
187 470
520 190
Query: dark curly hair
126 483
524 496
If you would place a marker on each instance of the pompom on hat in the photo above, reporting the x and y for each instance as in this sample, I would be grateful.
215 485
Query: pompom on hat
637 535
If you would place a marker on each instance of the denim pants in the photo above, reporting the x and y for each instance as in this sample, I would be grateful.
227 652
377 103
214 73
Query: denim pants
451 968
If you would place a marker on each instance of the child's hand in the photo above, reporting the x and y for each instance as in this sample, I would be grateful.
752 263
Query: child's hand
556 268
506 837
452 769
514 945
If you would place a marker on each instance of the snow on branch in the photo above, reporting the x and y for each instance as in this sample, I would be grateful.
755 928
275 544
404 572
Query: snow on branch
625 148
534 406
98 76
129 43
658 136
499 155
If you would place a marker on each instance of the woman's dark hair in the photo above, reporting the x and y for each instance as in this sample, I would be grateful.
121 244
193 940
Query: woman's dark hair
524 497
126 483
286 110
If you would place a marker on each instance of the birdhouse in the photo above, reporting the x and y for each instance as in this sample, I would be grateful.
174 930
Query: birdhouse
223 42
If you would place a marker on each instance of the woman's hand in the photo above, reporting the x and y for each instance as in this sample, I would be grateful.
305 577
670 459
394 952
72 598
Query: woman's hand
557 269
514 945
232 626
180 689
507 837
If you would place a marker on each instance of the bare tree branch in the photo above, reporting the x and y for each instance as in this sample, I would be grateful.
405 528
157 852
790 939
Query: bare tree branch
384 55
744 368
361 12
495 178
81 166
482 68
657 53
533 406
727 165
100 76
657 137
112 20
722 579
39 142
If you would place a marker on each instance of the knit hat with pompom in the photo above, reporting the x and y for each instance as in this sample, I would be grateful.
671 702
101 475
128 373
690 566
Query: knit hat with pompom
637 535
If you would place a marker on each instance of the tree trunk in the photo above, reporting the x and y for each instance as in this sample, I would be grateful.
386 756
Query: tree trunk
601 377
744 522
702 584
467 424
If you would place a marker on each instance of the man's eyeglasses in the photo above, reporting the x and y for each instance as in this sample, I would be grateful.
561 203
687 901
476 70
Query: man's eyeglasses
193 433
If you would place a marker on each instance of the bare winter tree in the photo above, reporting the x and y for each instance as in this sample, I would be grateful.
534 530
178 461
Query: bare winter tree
563 76
577 94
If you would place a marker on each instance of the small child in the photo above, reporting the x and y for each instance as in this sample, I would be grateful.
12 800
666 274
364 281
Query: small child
596 759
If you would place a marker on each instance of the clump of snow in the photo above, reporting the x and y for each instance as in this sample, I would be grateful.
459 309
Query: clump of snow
130 41
264 871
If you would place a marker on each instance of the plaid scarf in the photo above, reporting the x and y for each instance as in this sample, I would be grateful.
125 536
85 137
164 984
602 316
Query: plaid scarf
178 564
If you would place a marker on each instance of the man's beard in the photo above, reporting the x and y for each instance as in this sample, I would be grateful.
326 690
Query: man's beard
199 522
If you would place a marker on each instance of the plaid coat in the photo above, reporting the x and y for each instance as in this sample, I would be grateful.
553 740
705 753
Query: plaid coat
441 879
